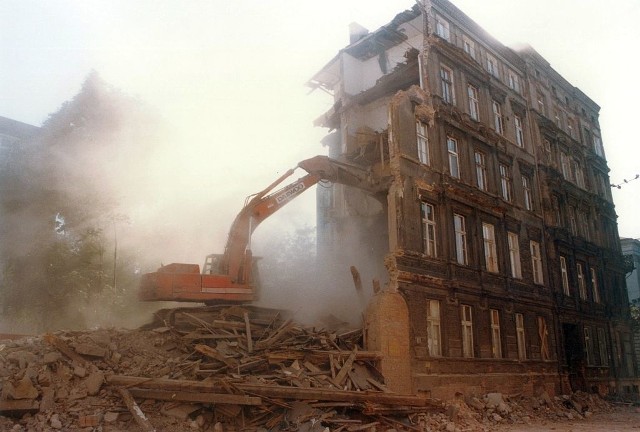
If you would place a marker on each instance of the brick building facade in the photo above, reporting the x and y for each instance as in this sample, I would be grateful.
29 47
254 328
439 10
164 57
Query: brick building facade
499 229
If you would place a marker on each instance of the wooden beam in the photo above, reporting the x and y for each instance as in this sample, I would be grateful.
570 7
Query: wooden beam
135 411
215 398
65 349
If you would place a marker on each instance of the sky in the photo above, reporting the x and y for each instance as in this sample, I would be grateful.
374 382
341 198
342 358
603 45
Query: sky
228 78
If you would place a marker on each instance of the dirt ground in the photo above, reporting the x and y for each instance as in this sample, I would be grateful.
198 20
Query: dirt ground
624 419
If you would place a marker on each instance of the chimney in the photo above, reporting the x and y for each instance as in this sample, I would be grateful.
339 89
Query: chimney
356 32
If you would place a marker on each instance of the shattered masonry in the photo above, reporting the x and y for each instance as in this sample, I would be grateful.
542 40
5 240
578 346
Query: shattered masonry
499 227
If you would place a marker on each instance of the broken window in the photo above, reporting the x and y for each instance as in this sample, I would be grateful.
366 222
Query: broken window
496 344
594 285
526 192
588 345
469 46
602 347
452 149
536 262
522 348
474 107
446 80
543 333
442 27
564 275
433 328
490 253
497 117
514 254
519 131
582 287
460 230
467 331
505 182
423 142
481 171
492 66
428 229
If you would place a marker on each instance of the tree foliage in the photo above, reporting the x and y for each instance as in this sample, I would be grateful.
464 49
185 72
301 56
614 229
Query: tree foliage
60 193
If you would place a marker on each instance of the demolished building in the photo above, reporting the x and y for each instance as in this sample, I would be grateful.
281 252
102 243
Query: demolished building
499 232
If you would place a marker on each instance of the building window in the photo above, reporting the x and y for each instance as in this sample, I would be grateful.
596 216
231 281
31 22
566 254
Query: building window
573 227
602 347
519 131
582 286
578 174
442 27
594 285
469 46
514 82
497 117
481 171
536 262
583 224
496 344
564 275
490 253
423 142
474 107
597 146
514 255
452 148
467 331
557 118
460 230
505 182
492 66
429 229
526 192
588 345
571 127
564 165
446 80
543 333
555 204
522 348
434 344
541 106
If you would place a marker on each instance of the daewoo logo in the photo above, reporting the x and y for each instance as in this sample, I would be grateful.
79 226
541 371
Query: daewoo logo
290 193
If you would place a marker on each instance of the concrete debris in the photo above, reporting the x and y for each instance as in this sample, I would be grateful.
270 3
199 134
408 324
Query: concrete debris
234 368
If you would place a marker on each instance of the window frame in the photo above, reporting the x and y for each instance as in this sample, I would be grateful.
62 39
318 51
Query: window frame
453 157
447 85
527 193
474 102
460 232
514 81
521 336
536 262
469 46
602 346
582 286
588 345
498 121
564 277
517 120
490 248
429 230
594 285
514 255
434 328
506 188
496 340
481 170
467 331
422 142
442 28
492 66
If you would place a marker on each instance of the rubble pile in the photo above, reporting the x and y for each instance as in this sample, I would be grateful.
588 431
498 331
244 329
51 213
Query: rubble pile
219 369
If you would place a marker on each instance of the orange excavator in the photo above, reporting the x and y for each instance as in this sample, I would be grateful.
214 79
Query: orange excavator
229 277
